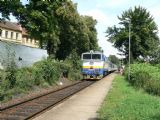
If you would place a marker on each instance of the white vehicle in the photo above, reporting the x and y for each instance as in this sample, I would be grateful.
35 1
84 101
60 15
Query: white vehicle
96 65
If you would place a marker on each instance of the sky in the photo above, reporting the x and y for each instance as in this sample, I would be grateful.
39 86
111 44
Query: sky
106 12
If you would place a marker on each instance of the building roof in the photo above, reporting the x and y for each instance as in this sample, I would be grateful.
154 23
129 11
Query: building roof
24 31
11 25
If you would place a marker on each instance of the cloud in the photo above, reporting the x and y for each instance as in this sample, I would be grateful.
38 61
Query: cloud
97 14
154 11
112 3
102 18
106 12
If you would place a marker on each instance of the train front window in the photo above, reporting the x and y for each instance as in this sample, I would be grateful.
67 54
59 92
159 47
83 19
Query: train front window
86 56
96 56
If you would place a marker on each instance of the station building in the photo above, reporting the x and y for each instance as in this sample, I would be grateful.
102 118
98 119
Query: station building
14 32
14 39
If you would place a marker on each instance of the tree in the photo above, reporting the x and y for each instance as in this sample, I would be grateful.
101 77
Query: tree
92 32
114 60
77 32
73 34
155 58
56 24
144 38
40 19
10 6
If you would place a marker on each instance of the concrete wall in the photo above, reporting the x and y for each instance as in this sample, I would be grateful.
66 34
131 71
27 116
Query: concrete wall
28 55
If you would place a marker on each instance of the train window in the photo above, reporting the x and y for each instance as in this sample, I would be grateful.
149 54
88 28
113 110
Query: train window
96 56
86 56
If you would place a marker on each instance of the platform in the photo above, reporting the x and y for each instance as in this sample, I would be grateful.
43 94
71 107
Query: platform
82 106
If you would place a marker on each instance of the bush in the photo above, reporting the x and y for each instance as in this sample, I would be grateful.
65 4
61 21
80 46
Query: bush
145 76
24 79
75 75
49 70
14 81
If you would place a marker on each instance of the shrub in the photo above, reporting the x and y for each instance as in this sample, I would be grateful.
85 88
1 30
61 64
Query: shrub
14 81
49 70
75 75
24 79
145 76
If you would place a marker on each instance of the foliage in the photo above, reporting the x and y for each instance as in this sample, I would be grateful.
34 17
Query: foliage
24 79
42 74
40 19
9 66
49 69
114 60
56 24
92 32
10 6
75 65
77 33
144 38
73 32
155 58
125 103
145 76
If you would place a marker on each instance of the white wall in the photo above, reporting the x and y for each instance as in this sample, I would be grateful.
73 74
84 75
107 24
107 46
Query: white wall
29 55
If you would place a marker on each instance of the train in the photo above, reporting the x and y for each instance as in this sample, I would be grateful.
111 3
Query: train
95 65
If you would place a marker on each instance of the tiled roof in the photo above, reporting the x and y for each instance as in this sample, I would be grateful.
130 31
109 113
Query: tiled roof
24 31
11 25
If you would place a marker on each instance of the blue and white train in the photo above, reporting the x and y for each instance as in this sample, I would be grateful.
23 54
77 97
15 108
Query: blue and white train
95 65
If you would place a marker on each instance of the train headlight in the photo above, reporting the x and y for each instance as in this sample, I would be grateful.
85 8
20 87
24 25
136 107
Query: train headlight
91 67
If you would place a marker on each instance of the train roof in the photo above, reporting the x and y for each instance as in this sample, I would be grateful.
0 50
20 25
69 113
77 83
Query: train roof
98 52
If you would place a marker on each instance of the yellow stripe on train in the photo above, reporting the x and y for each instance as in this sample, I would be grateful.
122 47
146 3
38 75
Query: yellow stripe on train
92 67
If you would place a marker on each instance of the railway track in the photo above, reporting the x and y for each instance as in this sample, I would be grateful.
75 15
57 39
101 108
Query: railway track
30 108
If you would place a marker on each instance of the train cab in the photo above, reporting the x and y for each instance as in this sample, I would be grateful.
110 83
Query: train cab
93 64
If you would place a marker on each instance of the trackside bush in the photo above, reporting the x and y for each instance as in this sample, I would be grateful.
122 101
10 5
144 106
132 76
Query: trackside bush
15 81
145 76
49 71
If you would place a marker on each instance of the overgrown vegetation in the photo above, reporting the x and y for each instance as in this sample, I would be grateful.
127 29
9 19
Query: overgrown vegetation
125 103
14 81
145 76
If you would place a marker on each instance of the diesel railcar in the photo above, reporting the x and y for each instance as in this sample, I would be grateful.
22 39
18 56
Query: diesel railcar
95 65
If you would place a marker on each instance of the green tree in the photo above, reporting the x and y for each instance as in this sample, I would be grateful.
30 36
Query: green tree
40 19
114 60
92 32
76 32
155 58
56 24
144 39
10 6
72 31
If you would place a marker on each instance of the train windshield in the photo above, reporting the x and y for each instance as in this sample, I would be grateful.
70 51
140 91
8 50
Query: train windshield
92 56
96 56
86 56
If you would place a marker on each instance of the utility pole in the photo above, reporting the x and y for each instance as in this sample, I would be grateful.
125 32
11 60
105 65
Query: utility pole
128 20
129 52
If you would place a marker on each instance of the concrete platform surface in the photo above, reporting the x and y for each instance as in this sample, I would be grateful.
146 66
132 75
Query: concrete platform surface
83 105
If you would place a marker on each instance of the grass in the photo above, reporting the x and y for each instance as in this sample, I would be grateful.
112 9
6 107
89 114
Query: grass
126 103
